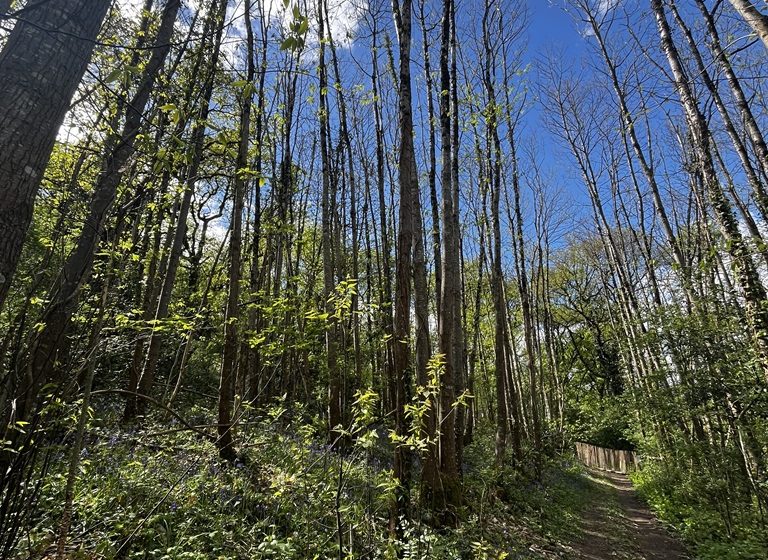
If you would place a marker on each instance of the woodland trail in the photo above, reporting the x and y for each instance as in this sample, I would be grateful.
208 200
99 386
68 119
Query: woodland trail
620 525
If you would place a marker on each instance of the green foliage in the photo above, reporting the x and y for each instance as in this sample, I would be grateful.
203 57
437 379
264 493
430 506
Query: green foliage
297 29
421 406
165 494
704 508
600 421
182 501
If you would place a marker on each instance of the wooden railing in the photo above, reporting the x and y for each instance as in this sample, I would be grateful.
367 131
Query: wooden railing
604 459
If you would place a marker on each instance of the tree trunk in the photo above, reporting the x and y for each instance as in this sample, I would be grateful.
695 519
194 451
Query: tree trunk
335 392
432 171
253 369
758 188
739 96
135 407
459 353
449 495
408 182
742 263
39 73
754 18
386 261
497 279
232 315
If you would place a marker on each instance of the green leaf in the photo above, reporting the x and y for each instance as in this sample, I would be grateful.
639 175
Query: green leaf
113 76
288 44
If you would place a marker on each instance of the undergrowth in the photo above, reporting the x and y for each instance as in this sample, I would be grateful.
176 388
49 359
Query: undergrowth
162 493
703 510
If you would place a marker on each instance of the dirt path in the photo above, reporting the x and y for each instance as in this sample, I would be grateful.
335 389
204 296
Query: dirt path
620 526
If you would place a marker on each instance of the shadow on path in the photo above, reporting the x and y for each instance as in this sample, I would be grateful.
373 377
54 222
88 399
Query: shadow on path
619 525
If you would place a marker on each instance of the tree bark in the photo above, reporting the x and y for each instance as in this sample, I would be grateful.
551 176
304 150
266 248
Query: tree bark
739 96
135 407
335 392
497 279
408 183
432 170
758 188
225 441
754 18
40 70
449 495
386 259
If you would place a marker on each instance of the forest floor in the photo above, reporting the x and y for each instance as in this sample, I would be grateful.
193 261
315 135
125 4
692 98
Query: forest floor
618 525
179 500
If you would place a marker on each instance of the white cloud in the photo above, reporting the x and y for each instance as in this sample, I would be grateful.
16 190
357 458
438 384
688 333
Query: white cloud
77 122
131 8
344 17
601 9
218 229
605 6
70 133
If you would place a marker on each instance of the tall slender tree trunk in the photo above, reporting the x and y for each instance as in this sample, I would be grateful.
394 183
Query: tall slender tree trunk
758 188
409 187
345 148
459 348
449 494
253 361
225 441
432 170
742 263
497 278
525 308
136 407
734 84
386 252
754 17
421 286
39 73
335 390
629 131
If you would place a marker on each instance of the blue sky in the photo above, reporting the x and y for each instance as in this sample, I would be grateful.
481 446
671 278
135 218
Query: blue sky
553 30
550 27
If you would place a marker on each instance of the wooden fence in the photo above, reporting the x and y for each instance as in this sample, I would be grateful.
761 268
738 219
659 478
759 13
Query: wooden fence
604 459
